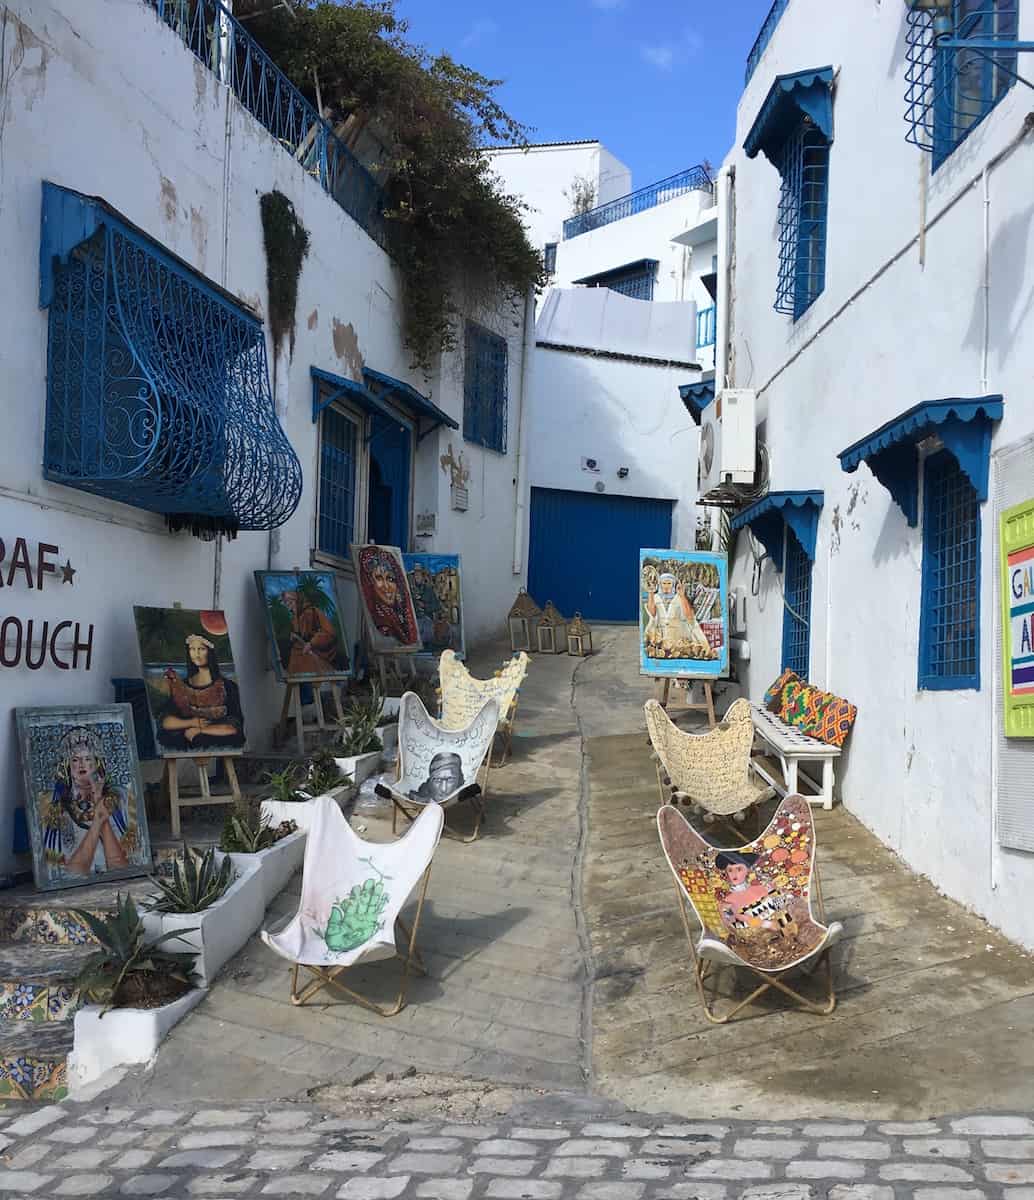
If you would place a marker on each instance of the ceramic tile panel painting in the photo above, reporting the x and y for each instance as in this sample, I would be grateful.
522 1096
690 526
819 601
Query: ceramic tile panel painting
386 599
303 616
434 583
682 614
192 691
84 802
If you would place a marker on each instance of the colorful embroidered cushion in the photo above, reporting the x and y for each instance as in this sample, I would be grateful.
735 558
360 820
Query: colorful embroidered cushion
819 714
773 700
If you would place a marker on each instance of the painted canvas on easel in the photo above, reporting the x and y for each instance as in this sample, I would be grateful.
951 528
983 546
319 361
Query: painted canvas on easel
434 582
191 682
387 603
84 801
682 614
303 616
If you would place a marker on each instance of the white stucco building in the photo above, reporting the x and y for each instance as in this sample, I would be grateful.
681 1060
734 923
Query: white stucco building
144 145
875 294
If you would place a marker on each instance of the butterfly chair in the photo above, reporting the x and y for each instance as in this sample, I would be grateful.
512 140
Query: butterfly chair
439 766
352 894
711 769
462 695
753 904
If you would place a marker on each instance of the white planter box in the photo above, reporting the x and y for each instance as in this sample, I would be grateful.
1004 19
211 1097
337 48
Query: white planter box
360 766
121 1036
221 930
275 866
276 811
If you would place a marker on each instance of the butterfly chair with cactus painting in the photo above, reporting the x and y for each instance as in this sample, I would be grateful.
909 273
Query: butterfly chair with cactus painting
753 905
463 696
353 893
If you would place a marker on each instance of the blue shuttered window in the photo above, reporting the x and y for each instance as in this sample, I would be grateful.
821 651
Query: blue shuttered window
337 484
804 167
484 389
797 606
949 623
549 258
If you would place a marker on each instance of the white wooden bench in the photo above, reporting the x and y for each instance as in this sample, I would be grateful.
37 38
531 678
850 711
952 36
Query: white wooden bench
792 747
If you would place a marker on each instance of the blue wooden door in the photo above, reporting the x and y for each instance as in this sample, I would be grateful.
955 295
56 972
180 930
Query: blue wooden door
584 550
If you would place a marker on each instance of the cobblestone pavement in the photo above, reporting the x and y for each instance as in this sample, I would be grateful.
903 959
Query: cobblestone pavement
547 1150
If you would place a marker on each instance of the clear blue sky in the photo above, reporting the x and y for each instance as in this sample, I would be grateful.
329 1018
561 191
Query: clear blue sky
657 81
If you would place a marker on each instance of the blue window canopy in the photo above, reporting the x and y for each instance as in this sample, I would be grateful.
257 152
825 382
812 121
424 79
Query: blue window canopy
158 390
696 397
369 396
767 517
964 427
791 98
421 406
602 278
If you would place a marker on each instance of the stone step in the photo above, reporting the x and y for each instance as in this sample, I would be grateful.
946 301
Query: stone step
32 1059
37 982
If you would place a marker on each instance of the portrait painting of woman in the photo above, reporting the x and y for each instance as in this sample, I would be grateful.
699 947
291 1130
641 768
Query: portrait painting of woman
683 604
387 601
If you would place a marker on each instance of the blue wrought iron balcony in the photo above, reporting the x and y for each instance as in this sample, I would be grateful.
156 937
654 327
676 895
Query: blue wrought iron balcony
211 32
706 326
765 36
694 179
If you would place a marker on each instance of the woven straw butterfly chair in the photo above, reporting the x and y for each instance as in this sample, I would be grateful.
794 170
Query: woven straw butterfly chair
463 696
753 905
352 894
440 766
711 770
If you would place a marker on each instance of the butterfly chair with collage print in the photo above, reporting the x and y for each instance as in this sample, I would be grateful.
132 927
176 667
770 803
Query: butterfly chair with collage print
753 905
463 696
439 766
353 892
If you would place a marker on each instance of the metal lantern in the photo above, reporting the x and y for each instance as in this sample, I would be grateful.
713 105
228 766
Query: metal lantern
552 630
523 620
579 637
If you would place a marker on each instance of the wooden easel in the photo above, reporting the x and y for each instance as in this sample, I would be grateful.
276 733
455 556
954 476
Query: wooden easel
291 710
708 702
396 661
204 793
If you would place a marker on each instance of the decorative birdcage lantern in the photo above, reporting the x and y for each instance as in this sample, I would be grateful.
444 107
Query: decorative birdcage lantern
579 637
523 620
552 630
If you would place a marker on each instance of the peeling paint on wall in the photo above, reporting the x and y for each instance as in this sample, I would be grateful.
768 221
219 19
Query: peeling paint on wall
169 200
29 60
346 347
198 233
834 541
314 319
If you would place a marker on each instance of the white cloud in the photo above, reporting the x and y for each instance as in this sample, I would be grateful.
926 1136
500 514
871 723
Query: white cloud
479 32
666 55
661 57
607 5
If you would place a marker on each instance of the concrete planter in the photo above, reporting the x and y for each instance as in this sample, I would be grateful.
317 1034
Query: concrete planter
389 735
300 811
220 930
360 766
121 1037
275 866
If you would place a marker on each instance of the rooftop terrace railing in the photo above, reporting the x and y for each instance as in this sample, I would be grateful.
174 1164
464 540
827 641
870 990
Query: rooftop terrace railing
217 39
765 36
694 179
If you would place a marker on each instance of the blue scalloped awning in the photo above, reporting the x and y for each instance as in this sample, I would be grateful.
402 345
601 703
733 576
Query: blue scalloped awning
696 397
379 383
766 517
802 94
964 426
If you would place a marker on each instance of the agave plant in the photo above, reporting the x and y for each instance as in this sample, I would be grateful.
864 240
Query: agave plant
126 967
248 833
324 774
196 887
359 724
283 785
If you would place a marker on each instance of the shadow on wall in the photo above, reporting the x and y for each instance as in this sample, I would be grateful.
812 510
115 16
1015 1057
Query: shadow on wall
1011 255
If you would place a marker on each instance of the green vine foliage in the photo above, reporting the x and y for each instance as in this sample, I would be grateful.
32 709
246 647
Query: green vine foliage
455 235
287 243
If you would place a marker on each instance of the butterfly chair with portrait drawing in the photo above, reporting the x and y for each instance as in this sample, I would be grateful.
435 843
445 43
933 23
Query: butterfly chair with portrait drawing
712 769
353 892
462 695
753 906
439 766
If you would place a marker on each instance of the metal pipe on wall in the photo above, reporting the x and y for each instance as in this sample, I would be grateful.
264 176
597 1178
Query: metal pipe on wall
520 506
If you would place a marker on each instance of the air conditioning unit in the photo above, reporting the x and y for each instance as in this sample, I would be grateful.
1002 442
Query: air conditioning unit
727 440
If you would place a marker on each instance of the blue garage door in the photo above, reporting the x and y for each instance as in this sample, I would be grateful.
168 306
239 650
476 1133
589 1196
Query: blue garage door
584 553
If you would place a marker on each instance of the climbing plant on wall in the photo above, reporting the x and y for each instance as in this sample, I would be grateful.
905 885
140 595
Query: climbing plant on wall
286 243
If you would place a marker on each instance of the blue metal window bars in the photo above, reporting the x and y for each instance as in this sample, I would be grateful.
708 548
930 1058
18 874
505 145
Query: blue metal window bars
804 168
484 389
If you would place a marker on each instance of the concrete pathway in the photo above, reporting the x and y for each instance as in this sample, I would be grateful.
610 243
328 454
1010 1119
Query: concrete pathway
543 1151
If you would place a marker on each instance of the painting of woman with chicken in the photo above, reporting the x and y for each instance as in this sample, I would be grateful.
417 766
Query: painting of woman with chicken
192 691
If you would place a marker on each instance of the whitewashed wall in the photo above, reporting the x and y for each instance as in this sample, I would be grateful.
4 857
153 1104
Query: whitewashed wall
121 109
918 768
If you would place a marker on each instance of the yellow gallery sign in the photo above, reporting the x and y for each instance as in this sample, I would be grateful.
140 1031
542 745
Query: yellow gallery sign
1016 545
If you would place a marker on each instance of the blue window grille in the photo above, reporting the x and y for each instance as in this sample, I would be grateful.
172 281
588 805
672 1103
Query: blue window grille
158 391
706 326
804 167
949 622
768 28
336 523
484 389
635 280
220 41
796 606
549 258
694 179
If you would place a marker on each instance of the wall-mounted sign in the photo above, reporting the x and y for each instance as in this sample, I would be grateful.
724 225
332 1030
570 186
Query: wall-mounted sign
28 641
1016 542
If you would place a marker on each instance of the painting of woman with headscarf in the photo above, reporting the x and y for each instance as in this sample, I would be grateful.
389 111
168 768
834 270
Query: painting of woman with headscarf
84 808
387 602
683 600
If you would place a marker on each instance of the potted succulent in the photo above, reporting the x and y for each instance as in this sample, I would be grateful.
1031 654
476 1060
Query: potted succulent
290 792
212 906
254 843
359 747
134 990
